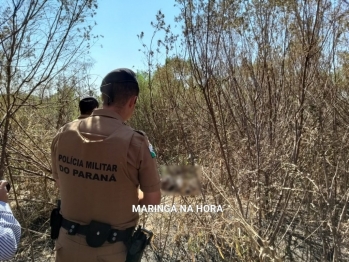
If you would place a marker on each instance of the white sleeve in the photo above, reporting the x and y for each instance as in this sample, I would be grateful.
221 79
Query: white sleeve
10 232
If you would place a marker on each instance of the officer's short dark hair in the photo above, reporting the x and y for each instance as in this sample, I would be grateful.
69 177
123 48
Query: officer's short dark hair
119 86
87 104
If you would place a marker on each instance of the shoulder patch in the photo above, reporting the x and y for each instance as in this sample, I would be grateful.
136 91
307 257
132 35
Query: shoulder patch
150 146
152 151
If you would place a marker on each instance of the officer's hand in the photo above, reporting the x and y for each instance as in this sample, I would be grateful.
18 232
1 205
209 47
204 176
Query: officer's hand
140 194
3 191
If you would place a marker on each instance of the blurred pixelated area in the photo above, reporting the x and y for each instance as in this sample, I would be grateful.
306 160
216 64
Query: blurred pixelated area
180 180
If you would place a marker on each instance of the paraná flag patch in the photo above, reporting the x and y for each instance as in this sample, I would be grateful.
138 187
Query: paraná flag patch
152 152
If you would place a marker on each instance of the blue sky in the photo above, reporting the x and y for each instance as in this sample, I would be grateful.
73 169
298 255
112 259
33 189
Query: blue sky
120 21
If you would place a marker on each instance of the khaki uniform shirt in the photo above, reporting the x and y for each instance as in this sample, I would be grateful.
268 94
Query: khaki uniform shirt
100 163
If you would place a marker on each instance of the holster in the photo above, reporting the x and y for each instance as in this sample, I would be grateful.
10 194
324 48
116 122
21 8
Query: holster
55 221
137 244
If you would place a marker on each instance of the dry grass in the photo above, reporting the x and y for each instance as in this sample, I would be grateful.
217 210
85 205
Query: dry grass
262 107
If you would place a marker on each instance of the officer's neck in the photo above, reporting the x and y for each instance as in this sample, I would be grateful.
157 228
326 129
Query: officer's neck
122 112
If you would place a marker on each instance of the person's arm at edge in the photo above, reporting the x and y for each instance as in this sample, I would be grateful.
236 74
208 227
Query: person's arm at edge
10 229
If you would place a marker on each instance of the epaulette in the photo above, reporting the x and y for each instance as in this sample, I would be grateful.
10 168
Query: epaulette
140 132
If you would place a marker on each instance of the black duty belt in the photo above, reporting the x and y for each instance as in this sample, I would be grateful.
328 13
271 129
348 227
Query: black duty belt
97 233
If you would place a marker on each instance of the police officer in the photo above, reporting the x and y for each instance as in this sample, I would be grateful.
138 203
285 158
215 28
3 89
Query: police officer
98 164
86 106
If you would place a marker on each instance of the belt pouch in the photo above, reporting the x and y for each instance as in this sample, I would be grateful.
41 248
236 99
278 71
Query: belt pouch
97 233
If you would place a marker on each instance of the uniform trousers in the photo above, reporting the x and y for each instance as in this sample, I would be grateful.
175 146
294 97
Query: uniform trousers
73 248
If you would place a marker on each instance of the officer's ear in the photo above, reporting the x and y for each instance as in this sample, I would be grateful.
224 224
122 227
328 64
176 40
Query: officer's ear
132 101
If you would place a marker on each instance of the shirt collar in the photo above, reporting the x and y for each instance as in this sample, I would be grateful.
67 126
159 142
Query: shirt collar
106 113
83 116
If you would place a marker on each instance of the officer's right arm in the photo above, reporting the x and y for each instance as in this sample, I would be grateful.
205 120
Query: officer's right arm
149 179
53 158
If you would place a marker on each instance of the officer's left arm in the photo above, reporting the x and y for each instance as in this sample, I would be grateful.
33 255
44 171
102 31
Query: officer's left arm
151 198
149 178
